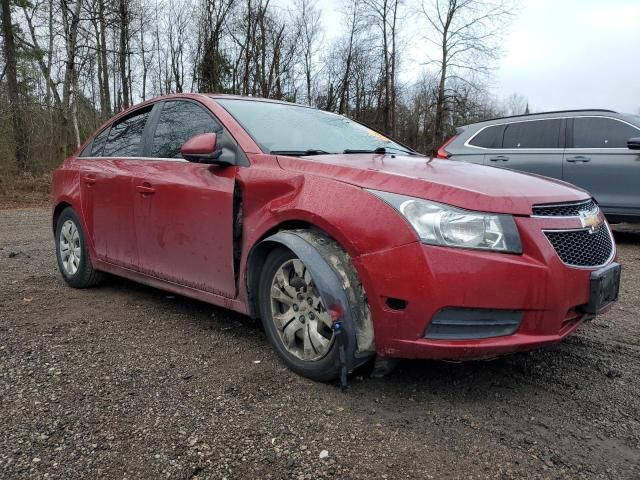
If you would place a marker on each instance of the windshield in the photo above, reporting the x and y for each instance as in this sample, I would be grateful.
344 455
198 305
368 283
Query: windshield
282 128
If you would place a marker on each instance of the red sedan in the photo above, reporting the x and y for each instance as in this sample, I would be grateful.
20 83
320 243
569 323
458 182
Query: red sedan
347 244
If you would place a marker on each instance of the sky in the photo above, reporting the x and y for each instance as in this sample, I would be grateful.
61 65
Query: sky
558 54
574 54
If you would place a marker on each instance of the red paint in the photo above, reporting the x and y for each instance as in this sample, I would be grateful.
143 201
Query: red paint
170 224
204 144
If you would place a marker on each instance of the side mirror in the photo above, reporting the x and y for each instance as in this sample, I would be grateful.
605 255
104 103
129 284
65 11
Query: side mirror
203 149
634 143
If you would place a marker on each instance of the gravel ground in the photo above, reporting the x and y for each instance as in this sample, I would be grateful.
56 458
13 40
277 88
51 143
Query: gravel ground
125 381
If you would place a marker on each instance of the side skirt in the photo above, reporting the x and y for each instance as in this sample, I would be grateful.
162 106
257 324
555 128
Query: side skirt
207 297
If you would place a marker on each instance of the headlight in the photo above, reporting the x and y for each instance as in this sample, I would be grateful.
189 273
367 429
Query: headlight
440 224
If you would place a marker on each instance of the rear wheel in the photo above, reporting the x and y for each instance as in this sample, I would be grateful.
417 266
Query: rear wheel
72 253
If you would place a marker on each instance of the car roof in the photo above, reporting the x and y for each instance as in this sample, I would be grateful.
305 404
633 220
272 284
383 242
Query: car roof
549 114
226 96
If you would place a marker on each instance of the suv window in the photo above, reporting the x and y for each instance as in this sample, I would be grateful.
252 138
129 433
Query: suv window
178 122
532 134
487 138
126 135
599 132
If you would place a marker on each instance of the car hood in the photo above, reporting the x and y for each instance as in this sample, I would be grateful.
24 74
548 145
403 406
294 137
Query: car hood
466 185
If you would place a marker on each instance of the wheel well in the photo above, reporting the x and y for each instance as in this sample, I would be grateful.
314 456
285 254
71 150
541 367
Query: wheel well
259 254
56 213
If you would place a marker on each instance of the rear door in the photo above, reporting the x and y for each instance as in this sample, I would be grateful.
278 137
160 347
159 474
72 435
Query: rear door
599 161
107 189
183 210
534 146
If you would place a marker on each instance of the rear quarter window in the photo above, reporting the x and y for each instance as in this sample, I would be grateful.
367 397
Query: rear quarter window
487 137
125 137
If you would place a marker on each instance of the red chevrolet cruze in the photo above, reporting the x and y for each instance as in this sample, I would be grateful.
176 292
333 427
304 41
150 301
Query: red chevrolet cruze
347 244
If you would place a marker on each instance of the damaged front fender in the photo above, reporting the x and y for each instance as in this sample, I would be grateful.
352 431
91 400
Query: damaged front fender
337 284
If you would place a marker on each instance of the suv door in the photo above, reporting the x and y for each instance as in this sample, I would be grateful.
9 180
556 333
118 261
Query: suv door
599 161
106 188
534 146
184 211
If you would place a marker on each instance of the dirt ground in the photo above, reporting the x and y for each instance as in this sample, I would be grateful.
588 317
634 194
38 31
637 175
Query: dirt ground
125 381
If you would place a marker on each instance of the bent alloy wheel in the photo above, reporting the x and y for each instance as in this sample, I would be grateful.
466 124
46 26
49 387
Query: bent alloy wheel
294 317
299 316
71 251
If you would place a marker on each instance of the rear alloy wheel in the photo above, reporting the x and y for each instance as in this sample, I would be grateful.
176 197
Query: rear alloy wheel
71 251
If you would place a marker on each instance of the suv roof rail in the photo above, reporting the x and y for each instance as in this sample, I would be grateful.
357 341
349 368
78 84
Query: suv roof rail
603 110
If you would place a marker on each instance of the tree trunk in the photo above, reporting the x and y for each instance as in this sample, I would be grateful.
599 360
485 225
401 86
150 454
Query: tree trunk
123 53
12 86
102 47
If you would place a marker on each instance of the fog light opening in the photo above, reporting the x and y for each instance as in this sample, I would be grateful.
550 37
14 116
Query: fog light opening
396 303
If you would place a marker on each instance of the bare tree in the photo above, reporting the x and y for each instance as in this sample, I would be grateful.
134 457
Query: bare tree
11 73
384 15
309 30
466 34
515 104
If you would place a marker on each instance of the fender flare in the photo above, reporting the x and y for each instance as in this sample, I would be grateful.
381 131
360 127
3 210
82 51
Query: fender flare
330 287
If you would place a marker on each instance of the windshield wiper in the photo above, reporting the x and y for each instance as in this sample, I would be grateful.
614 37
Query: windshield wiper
299 153
380 150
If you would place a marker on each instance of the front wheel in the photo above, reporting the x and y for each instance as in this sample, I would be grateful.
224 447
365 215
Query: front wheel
295 317
72 253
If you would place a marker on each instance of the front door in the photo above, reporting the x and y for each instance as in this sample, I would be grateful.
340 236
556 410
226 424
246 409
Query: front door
600 162
183 210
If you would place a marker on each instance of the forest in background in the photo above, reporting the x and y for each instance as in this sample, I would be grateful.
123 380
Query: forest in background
68 65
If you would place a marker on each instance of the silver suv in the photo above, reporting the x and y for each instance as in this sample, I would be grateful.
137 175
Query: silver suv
598 150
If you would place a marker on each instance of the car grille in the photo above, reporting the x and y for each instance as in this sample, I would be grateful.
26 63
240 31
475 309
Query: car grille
582 248
564 210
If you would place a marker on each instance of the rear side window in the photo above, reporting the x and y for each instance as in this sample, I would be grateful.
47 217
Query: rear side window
533 134
598 132
125 136
487 138
97 146
178 122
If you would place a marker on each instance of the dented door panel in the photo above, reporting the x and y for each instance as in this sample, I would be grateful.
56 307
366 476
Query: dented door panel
184 224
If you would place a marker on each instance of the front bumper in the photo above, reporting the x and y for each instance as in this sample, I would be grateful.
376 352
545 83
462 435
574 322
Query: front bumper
407 286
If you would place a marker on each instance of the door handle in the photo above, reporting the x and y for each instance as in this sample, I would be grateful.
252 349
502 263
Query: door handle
145 189
578 158
499 158
89 179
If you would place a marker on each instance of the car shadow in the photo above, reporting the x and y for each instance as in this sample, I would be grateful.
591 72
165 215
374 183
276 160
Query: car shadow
514 375
626 233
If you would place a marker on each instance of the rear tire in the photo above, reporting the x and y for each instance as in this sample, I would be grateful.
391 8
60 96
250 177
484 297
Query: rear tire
72 252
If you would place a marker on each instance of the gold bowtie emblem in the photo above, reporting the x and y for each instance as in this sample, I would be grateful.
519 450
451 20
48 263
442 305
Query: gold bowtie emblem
591 220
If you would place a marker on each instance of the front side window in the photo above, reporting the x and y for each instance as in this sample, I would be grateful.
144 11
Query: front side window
126 135
178 122
532 134
600 132
278 127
